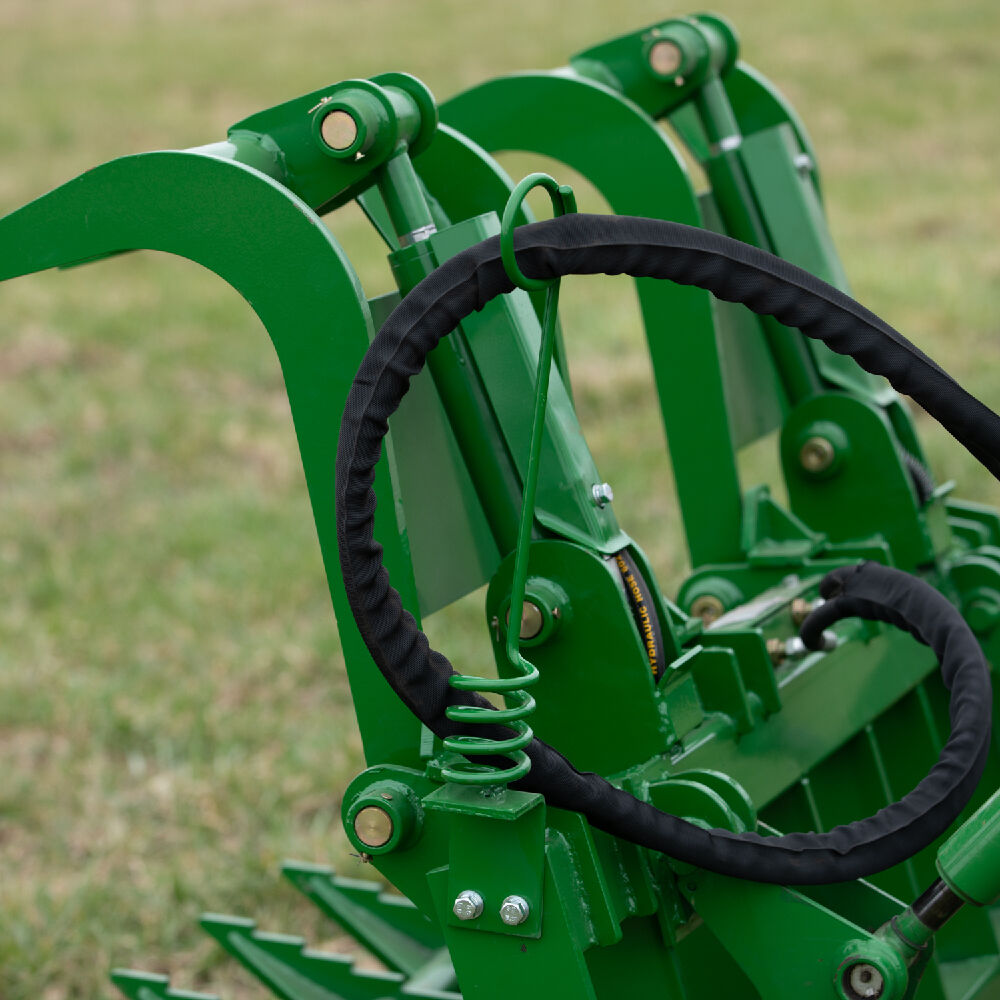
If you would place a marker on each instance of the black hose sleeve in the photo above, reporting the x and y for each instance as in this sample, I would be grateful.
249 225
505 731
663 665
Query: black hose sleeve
581 244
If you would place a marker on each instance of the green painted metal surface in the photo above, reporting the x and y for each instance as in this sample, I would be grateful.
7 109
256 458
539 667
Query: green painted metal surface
839 500
451 544
503 342
755 923
595 649
736 727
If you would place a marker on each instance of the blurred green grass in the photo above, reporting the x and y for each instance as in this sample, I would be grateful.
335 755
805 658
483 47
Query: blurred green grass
174 716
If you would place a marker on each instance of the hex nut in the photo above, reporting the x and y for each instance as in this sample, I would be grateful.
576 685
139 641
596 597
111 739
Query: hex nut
514 910
468 905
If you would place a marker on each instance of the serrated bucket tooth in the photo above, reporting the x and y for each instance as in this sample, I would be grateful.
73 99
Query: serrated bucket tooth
148 986
389 926
292 971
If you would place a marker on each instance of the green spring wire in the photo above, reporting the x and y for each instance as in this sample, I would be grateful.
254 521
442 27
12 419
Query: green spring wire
519 704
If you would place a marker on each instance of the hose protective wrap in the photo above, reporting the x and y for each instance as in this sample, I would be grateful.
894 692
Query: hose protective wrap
591 244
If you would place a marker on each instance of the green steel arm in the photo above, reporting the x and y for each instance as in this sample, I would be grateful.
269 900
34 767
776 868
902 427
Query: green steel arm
762 190
586 126
758 105
717 107
278 255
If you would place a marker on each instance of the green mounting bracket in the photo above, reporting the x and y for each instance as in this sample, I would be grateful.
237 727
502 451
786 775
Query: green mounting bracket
756 923
773 537
829 446
485 825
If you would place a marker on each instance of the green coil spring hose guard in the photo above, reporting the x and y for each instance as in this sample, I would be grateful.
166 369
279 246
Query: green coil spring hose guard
525 672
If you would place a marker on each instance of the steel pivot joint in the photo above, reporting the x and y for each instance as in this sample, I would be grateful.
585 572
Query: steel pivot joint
659 68
330 145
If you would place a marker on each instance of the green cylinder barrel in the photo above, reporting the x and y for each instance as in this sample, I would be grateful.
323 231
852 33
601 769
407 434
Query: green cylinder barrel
969 860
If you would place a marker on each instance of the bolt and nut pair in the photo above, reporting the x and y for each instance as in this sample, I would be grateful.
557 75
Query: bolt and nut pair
794 648
514 910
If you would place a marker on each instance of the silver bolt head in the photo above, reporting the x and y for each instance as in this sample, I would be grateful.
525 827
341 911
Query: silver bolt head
795 647
803 163
828 640
514 910
468 905
602 493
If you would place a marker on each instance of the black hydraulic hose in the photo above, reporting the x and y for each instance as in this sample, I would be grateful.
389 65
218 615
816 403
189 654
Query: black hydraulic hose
647 620
582 244
920 476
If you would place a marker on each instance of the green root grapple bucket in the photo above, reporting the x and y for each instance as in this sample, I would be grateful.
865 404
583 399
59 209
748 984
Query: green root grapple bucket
775 782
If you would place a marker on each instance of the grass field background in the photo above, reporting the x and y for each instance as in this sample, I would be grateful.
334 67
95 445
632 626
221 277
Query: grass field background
174 716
